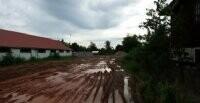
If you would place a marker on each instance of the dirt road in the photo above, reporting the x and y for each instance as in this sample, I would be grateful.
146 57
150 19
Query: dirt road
87 80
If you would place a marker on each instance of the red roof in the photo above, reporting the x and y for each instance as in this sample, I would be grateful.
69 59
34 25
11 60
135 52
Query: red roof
21 40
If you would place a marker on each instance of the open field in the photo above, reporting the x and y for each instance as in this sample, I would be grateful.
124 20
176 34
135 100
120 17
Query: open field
86 80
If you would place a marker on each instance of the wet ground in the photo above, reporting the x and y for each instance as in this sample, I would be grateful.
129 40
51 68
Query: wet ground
87 80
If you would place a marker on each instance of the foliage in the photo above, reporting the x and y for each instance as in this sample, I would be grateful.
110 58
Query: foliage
107 50
167 93
153 54
92 47
76 47
33 58
54 56
107 46
119 48
160 92
150 61
130 42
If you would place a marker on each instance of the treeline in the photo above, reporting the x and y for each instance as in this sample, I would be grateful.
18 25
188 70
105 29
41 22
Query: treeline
157 79
128 43
9 59
106 50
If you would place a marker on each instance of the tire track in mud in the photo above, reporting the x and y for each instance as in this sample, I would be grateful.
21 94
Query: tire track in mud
99 81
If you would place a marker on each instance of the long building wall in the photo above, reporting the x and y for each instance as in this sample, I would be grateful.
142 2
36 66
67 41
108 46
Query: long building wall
34 53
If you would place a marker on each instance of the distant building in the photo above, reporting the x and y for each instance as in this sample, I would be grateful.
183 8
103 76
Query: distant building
95 52
185 24
27 46
83 54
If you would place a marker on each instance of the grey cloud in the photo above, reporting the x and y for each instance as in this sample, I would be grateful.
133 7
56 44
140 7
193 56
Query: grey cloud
68 15
84 19
86 14
108 6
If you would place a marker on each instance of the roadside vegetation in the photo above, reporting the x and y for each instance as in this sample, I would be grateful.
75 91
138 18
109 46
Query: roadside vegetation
157 79
107 50
9 59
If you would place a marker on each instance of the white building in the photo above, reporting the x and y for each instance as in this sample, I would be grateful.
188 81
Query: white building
95 52
27 46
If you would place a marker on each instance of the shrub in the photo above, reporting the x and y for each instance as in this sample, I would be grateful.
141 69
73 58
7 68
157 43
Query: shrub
54 56
9 60
33 59
167 93
19 60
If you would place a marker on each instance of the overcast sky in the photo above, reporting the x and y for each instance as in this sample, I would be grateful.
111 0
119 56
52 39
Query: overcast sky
81 21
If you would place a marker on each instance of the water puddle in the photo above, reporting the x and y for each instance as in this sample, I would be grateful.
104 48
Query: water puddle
118 66
80 67
100 67
58 78
83 65
118 98
127 94
99 95
120 70
101 63
112 61
110 99
98 70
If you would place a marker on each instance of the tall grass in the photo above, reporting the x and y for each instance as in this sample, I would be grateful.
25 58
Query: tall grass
153 87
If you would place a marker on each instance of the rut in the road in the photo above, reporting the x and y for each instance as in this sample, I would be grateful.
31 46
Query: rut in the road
100 82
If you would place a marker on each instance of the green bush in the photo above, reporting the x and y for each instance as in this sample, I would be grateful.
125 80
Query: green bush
162 92
167 93
148 92
9 60
54 56
19 60
33 59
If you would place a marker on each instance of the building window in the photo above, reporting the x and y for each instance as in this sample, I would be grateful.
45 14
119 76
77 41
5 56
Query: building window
197 11
68 51
53 51
61 51
5 50
42 51
25 50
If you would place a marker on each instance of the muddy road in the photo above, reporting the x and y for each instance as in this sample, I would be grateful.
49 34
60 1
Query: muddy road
87 80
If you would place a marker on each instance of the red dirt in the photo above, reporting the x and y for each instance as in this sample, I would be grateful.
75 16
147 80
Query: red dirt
87 80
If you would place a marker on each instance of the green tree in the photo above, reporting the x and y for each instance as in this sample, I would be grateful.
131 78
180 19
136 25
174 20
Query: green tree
76 47
151 60
92 47
130 42
157 40
119 48
108 48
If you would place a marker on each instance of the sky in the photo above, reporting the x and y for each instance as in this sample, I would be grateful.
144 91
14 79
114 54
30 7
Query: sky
81 21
